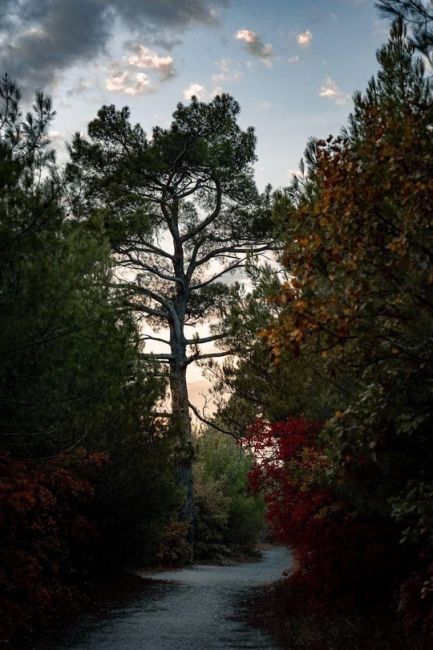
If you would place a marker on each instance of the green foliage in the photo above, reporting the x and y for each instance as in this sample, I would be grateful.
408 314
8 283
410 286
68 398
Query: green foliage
191 183
258 384
359 229
418 15
72 382
173 203
228 517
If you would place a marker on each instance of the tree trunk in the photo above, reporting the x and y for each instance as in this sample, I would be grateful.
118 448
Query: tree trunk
181 424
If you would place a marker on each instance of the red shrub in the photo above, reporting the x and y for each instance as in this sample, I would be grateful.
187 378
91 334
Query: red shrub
44 532
344 559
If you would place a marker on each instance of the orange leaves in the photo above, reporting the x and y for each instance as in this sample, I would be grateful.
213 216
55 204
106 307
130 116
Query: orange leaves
364 230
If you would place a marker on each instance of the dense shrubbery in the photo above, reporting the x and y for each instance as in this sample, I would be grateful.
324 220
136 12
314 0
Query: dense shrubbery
46 536
345 559
229 518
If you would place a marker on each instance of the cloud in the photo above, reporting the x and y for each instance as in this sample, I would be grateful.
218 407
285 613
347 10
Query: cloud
143 57
129 84
80 86
330 90
201 92
304 38
255 45
127 74
197 90
293 60
41 39
225 72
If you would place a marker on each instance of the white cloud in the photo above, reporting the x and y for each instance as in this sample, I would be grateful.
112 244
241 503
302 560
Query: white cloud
330 90
194 89
246 35
55 135
129 83
201 92
256 46
143 57
127 74
225 72
293 60
304 38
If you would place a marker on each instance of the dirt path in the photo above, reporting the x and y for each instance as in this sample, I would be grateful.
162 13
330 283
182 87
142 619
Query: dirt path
190 608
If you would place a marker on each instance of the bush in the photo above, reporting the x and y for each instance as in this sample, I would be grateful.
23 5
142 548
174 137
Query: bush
229 517
46 537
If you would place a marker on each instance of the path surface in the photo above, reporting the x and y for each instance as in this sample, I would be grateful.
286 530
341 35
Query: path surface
193 608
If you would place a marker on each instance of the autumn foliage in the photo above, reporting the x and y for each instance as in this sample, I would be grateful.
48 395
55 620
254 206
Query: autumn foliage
358 232
343 559
46 536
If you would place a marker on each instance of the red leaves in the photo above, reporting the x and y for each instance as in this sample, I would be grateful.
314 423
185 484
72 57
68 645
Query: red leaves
276 447
343 558
43 525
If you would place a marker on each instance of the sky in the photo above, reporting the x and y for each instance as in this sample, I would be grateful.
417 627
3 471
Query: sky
293 65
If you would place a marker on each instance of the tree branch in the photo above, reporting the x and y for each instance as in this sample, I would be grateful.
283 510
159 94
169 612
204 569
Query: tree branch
165 358
207 339
214 214
209 355
237 265
149 337
236 249
211 424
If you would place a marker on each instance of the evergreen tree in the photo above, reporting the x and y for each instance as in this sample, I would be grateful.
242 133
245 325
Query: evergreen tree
418 15
360 251
183 212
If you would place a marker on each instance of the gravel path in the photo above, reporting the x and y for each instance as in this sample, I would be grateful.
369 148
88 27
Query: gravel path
192 608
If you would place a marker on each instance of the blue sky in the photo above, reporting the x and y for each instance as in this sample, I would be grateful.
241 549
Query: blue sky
292 65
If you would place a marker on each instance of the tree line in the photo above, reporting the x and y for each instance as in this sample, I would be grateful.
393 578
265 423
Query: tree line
95 472
326 362
341 418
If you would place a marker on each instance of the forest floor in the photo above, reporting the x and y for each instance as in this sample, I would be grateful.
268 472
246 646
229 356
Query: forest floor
197 607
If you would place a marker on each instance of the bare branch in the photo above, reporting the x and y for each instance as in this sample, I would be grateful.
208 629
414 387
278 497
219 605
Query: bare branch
206 222
237 265
158 313
210 355
153 270
211 424
149 337
146 247
237 250
207 339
